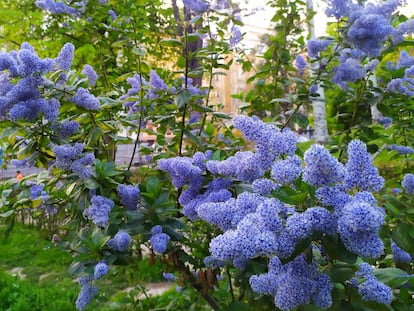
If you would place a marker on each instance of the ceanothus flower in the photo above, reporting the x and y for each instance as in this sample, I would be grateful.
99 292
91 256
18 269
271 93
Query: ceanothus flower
264 186
338 8
300 64
181 169
101 269
293 284
157 85
358 227
321 168
65 57
236 36
65 129
287 171
86 294
99 210
400 255
349 70
120 242
360 171
129 196
373 290
333 196
368 33
159 240
408 183
85 99
71 158
197 6
90 73
316 46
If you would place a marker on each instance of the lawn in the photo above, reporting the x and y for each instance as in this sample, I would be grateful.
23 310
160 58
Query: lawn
34 276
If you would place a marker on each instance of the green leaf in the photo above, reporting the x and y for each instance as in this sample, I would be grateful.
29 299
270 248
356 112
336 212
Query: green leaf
238 306
402 236
171 43
183 98
99 239
393 277
7 214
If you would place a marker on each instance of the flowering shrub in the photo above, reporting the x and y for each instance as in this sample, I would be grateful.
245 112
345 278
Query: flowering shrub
277 222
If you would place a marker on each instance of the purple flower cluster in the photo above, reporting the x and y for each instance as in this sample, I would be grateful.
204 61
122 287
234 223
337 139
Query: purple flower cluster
369 31
197 6
71 158
59 7
287 171
159 240
86 294
408 183
120 242
316 46
129 196
400 255
401 149
270 143
264 186
90 73
236 36
358 227
65 57
321 169
99 210
22 99
370 288
338 8
301 64
101 269
293 284
360 171
65 129
349 70
85 99
182 171
37 192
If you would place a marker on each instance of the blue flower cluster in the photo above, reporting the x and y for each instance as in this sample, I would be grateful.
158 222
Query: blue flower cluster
120 242
360 171
23 99
159 240
65 129
197 6
90 73
37 192
322 169
71 158
400 255
60 7
370 288
358 226
408 183
99 210
316 46
129 196
87 292
301 64
256 225
85 99
401 149
101 269
293 284
236 36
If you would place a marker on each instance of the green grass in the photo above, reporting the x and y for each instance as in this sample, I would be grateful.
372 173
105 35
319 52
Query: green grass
47 285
